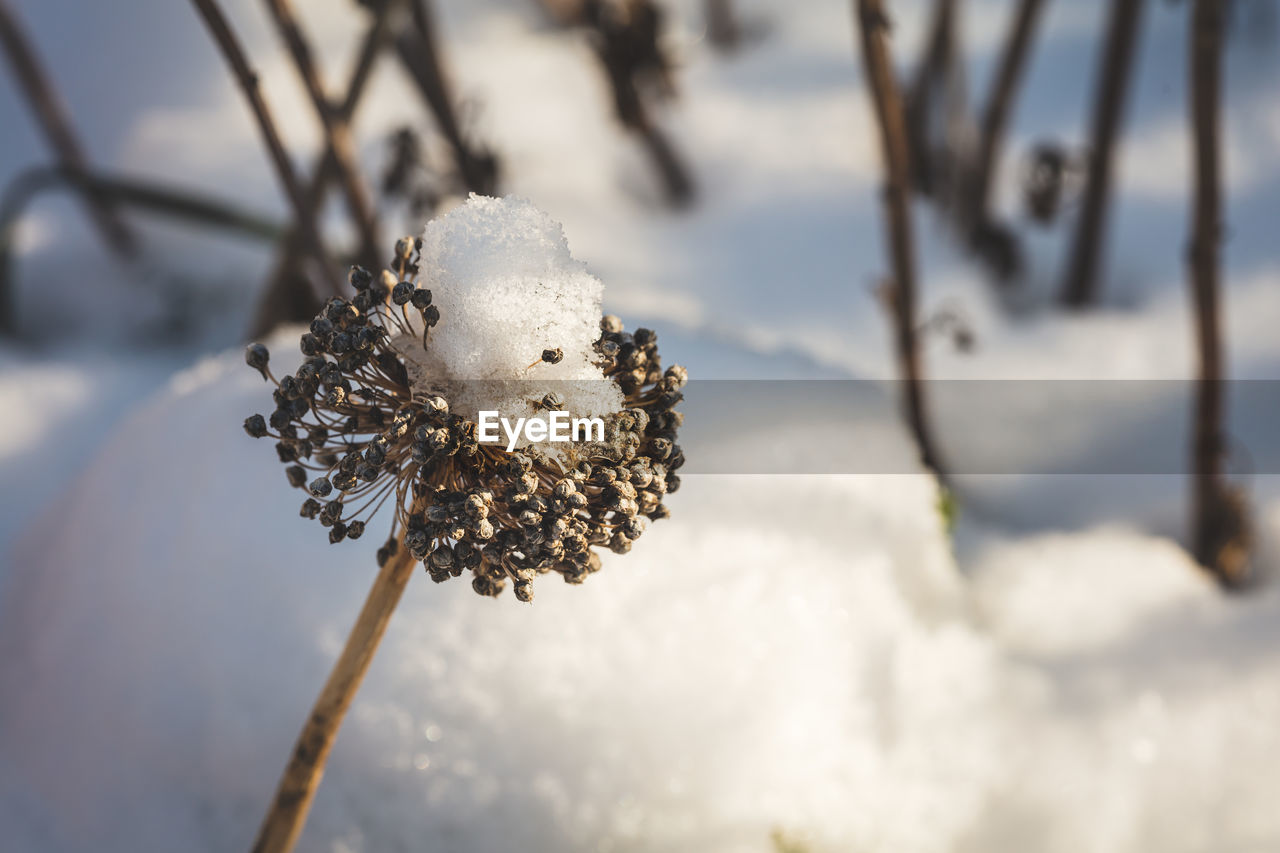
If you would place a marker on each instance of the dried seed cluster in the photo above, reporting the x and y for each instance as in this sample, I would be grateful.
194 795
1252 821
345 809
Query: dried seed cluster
353 434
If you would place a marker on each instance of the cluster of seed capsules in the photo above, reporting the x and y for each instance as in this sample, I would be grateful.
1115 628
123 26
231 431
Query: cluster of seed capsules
354 435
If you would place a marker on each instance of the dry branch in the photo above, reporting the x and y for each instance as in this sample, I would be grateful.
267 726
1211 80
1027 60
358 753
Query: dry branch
872 25
419 53
723 30
248 80
995 116
288 295
54 122
1080 286
337 131
932 77
1219 522
288 813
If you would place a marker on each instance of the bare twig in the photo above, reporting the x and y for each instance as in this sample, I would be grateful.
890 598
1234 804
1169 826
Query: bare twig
562 13
248 80
288 813
337 131
122 192
1219 524
1080 287
419 53
288 295
627 41
133 192
54 122
872 25
723 29
327 168
996 115
931 75
625 36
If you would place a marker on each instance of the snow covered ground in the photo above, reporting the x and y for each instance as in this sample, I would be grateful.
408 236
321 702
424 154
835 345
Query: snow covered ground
789 660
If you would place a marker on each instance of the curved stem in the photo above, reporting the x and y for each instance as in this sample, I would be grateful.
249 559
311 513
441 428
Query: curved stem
995 116
288 813
51 114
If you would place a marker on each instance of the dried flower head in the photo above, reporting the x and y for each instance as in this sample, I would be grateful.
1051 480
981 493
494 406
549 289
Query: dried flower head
355 432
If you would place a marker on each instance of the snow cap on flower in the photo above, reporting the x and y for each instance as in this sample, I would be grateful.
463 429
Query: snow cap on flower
383 409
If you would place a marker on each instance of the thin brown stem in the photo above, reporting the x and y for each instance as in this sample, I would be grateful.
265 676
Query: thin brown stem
628 44
337 131
1217 515
234 54
419 53
327 168
931 75
872 25
288 813
288 295
996 115
1080 287
55 124
723 30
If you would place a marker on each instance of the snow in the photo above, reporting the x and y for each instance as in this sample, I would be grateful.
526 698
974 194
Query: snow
507 288
730 679
807 658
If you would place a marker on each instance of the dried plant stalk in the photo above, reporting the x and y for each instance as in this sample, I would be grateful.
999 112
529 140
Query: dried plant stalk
932 75
619 49
234 54
995 116
337 131
420 56
893 137
1080 287
1219 523
723 28
288 294
54 122
288 813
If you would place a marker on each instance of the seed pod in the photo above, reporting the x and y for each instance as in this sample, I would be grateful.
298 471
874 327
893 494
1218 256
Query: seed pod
359 277
256 356
402 293
255 426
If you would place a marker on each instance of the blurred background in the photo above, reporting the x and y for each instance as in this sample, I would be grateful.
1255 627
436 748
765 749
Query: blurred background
944 658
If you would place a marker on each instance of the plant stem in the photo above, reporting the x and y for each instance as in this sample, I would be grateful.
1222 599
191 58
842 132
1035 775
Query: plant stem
931 74
1211 508
288 813
722 25
1080 287
337 131
888 108
288 296
420 56
996 115
248 80
124 193
51 115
